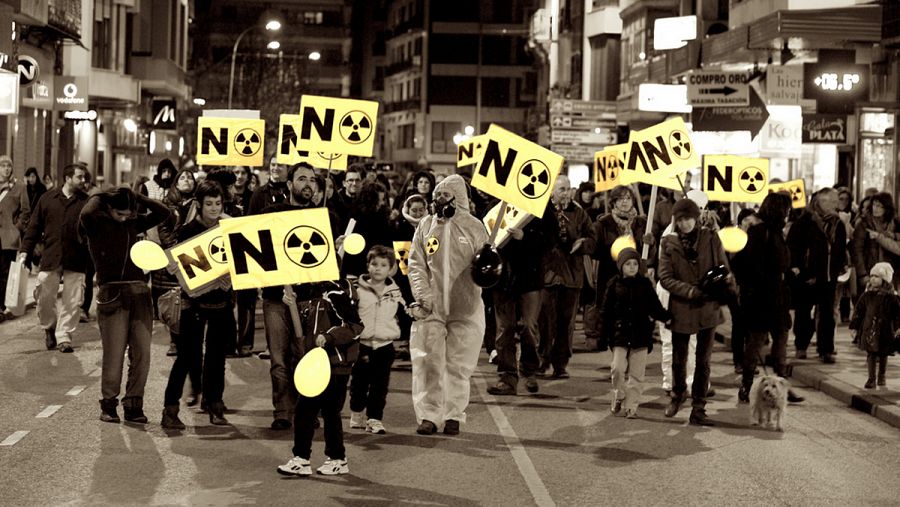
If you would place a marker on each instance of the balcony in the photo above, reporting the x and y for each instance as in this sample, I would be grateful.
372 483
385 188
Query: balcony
398 67
160 76
411 24
413 104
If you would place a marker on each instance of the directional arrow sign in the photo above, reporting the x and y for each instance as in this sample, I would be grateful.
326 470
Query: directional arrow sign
715 88
728 119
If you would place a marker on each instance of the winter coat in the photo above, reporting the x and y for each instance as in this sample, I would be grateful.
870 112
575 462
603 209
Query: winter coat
630 306
35 192
762 269
55 222
818 256
522 259
379 312
866 251
876 318
607 231
330 309
561 265
267 195
376 228
14 215
691 310
440 260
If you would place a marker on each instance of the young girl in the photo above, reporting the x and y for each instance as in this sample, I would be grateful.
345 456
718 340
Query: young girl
380 301
629 307
876 320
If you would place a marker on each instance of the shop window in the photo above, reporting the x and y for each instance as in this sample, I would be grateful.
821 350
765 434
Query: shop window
407 136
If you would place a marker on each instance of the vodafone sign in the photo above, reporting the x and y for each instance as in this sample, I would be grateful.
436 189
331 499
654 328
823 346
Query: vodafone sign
70 94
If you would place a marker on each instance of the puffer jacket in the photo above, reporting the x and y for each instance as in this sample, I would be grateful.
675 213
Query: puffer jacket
378 312
630 306
332 312
440 260
691 310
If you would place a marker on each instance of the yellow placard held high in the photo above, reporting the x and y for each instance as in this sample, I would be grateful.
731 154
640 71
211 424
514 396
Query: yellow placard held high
199 262
514 217
731 178
401 253
516 170
290 153
607 168
469 151
230 141
658 153
282 248
796 188
333 125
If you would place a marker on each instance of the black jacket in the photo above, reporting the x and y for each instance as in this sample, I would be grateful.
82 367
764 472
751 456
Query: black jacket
630 306
607 231
267 195
376 229
523 259
55 219
820 254
330 309
762 269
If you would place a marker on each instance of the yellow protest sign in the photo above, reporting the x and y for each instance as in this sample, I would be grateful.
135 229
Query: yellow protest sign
658 153
401 252
731 178
282 248
608 167
333 125
200 262
469 151
513 217
516 170
230 141
289 152
796 188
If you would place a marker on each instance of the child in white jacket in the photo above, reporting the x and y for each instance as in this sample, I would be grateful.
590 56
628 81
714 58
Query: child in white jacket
380 300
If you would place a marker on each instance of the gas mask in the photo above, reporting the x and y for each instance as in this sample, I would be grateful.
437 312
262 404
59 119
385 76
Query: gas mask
442 209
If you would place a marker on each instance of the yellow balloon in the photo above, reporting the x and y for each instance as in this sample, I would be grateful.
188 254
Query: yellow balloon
313 373
621 243
354 244
734 239
148 255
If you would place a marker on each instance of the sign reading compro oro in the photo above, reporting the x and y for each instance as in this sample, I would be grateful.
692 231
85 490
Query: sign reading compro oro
796 188
659 153
230 141
735 179
289 152
332 125
514 217
289 247
199 262
517 171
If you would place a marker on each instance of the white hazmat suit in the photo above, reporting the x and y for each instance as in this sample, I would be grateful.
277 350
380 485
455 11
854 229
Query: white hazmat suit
444 346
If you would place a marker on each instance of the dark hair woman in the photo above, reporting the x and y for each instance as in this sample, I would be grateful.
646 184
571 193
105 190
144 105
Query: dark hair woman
868 245
373 222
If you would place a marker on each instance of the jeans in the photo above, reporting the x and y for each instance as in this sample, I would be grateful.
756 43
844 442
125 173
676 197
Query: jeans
286 350
633 363
218 324
125 316
369 383
755 341
246 321
329 403
89 273
509 309
45 292
705 340
821 297
557 324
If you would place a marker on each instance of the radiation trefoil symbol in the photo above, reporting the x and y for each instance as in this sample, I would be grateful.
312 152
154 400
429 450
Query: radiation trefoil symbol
751 180
247 142
432 245
328 156
796 193
217 250
306 246
355 127
403 260
534 179
680 144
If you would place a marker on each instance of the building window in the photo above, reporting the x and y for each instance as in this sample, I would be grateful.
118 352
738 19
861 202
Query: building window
313 18
100 51
407 136
442 133
417 88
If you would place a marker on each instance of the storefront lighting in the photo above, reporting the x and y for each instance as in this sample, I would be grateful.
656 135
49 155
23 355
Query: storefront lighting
168 146
151 143
130 125
181 146
642 55
315 56
273 25
199 102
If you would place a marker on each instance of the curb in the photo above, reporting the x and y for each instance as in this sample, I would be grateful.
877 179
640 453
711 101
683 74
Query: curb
850 395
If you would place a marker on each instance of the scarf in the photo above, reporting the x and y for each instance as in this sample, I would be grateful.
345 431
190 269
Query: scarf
689 243
827 223
624 220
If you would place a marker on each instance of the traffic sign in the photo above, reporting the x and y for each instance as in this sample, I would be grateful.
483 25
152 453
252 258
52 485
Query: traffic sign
716 88
729 119
601 136
581 153
583 108
580 122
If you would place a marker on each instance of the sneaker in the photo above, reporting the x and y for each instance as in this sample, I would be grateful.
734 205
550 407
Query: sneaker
501 388
744 395
65 347
173 350
493 357
451 427
296 466
531 384
426 428
357 419
375 426
801 354
334 467
264 354
282 424
870 384
631 413
616 406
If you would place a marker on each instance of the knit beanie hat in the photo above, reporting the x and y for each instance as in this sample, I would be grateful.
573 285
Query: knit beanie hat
883 270
685 208
625 255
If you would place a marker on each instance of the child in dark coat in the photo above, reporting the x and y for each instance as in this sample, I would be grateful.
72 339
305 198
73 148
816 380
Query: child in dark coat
629 308
876 321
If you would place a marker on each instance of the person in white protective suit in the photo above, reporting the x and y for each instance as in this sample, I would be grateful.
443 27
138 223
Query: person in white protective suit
446 337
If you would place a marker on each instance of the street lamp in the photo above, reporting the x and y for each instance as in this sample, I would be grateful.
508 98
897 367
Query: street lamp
315 56
271 24
274 45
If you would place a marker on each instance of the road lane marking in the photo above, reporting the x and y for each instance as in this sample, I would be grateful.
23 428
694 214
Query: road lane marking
13 439
232 379
520 456
95 373
47 412
75 391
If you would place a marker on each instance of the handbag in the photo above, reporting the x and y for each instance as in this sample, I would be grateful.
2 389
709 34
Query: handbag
16 288
170 306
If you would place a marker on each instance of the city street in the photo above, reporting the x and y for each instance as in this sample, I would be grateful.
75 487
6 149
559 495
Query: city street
561 446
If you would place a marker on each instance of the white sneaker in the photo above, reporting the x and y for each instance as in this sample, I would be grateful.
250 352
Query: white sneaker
375 426
357 419
296 466
334 467
493 358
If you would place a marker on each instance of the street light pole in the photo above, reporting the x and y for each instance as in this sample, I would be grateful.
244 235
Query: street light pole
233 57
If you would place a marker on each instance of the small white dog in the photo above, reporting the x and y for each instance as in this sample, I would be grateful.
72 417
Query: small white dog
768 400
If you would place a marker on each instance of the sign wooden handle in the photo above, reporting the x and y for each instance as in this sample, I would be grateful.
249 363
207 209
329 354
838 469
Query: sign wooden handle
295 314
649 228
497 222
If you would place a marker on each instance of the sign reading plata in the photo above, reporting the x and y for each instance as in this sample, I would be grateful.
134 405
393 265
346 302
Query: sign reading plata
715 88
71 93
735 179
332 125
824 128
289 152
230 141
